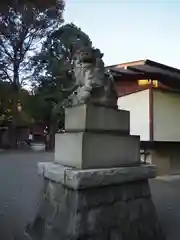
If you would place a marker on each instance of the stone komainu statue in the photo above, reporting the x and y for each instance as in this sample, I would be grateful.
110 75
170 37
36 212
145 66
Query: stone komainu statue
93 83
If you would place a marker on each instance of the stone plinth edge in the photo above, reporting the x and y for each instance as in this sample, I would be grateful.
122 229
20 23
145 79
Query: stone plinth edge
82 179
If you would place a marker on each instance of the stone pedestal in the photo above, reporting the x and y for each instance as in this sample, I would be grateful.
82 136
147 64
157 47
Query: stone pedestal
93 150
96 137
96 188
93 118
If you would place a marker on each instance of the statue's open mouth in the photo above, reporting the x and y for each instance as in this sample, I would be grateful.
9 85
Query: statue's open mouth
88 60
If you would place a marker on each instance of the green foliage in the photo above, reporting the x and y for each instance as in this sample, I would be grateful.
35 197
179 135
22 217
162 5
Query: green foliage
56 56
38 3
53 64
23 26
6 104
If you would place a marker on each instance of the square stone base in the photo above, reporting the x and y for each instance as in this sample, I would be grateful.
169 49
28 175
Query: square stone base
96 150
78 179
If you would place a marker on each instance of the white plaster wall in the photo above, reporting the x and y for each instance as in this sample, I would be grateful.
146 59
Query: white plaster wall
138 105
166 116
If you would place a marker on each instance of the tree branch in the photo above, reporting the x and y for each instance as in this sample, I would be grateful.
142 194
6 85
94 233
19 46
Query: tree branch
6 51
7 75
27 48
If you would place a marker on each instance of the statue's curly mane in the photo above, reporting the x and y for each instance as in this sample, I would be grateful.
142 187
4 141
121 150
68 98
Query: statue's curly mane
92 82
86 54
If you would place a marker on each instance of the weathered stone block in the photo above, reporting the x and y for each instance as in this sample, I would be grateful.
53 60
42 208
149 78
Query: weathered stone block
100 236
114 219
79 179
94 150
135 209
116 234
96 118
91 198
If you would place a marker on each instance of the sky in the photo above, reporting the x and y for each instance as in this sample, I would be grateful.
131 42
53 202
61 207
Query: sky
130 30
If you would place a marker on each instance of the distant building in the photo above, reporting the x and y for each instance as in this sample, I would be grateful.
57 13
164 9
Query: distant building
151 92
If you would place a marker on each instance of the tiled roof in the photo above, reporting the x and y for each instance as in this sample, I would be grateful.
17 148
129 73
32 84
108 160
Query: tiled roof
147 69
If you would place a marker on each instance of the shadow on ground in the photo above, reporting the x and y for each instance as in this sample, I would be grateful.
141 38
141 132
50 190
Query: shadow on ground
166 196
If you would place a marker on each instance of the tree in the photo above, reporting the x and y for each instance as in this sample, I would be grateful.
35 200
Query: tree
38 3
5 102
23 27
55 59
6 105
52 73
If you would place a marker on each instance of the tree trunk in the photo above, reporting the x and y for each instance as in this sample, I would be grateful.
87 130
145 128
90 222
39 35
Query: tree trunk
16 88
13 131
51 143
50 139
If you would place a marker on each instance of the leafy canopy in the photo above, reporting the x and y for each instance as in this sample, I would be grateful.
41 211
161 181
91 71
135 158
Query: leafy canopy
52 72
56 55
23 27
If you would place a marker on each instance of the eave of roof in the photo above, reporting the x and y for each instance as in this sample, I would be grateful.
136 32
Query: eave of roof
145 62
143 69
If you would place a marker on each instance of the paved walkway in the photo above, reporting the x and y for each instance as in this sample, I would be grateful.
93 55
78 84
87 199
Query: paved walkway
166 195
